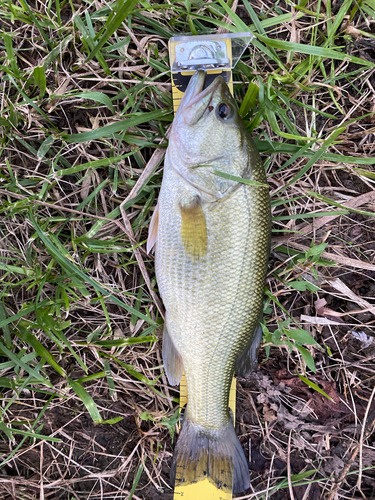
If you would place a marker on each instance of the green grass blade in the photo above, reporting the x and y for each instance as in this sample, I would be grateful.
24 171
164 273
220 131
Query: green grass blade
87 400
238 23
65 261
121 126
318 154
301 336
88 41
21 364
249 99
104 162
123 342
123 9
268 147
309 360
310 215
29 339
257 24
112 215
24 312
40 80
31 102
240 179
5 328
110 381
313 50
45 147
97 97
34 435
340 205
10 54
137 477
38 418
314 386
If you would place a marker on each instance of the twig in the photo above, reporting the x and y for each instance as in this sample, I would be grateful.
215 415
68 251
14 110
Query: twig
345 470
288 468
135 40
340 259
338 285
41 487
149 168
141 264
153 162
59 207
322 221
361 442
269 476
227 19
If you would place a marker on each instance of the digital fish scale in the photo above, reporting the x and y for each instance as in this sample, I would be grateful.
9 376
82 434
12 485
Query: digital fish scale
217 55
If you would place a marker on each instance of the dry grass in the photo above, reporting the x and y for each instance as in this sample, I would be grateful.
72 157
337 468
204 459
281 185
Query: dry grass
86 411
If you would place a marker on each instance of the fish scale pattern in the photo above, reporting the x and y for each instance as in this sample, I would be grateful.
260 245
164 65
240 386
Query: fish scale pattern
213 304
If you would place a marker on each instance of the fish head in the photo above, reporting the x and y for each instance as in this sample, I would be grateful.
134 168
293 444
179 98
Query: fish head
208 135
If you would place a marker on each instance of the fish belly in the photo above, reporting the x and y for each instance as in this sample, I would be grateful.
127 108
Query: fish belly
212 304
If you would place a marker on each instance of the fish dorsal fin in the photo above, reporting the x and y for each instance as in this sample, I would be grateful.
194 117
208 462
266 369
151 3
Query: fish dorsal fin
153 229
193 228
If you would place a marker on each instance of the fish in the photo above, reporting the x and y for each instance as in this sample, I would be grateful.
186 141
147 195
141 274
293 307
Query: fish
211 232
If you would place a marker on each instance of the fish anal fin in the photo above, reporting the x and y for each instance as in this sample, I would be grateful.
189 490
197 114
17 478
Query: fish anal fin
193 229
153 229
171 358
248 359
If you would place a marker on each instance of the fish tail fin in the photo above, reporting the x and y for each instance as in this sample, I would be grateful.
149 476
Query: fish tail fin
213 454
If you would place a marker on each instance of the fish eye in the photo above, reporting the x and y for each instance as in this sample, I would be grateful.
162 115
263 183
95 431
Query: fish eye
223 110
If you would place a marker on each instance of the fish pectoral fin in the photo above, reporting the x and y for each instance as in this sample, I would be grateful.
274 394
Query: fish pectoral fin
171 358
153 229
247 361
193 229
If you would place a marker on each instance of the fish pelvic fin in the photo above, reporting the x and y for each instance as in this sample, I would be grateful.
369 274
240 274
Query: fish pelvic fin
213 454
247 361
171 359
193 229
153 229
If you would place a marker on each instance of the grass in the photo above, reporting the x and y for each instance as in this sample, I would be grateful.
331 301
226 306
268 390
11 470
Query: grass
85 110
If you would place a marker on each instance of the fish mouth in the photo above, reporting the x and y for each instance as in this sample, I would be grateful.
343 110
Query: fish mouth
194 91
197 84
197 99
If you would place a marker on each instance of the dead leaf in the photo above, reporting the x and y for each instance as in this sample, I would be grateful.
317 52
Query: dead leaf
334 465
268 414
354 202
262 398
291 422
315 320
319 306
339 259
348 294
368 457
323 408
86 184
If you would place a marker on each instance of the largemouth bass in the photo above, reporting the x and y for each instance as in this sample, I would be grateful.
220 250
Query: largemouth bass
212 237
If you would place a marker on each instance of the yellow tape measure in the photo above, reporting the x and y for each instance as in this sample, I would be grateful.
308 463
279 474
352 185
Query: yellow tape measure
182 65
